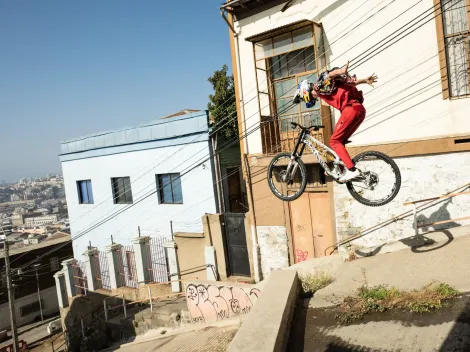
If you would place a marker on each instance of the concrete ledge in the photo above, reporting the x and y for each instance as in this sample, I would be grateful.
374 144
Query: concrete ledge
267 326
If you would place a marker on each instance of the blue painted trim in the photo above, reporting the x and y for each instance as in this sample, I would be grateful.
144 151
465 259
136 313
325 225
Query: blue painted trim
158 122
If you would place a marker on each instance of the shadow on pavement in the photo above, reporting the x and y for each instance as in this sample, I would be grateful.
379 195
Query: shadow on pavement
419 242
342 346
459 337
317 330
298 326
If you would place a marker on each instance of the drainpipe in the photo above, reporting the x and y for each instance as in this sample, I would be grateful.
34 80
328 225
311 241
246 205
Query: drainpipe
251 212
244 149
238 82
242 110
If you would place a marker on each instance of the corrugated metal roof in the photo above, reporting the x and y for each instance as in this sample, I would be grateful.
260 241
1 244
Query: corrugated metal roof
179 126
246 8
279 30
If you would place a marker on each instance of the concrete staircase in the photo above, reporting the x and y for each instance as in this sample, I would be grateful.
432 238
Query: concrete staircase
165 313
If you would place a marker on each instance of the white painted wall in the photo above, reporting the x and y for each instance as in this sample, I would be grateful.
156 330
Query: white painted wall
409 107
422 177
153 218
51 306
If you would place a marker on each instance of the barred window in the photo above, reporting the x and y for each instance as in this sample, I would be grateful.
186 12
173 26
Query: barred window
456 42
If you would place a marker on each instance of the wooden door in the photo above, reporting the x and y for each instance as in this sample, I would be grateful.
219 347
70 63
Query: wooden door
311 225
302 228
322 231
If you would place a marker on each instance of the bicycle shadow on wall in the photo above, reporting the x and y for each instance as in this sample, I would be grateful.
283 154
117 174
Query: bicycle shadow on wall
421 243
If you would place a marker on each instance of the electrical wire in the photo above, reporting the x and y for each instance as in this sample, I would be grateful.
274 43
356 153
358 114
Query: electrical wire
246 135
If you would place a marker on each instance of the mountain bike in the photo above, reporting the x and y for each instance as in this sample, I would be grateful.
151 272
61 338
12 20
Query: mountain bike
378 183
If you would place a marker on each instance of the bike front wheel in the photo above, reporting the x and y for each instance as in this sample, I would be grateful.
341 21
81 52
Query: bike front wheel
287 182
380 181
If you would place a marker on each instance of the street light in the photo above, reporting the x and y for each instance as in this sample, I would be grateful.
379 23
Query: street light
36 266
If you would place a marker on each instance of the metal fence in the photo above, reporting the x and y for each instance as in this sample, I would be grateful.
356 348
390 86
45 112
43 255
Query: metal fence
158 260
79 277
100 268
278 136
127 267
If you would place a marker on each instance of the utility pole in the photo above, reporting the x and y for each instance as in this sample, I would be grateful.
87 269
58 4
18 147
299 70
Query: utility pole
11 298
39 290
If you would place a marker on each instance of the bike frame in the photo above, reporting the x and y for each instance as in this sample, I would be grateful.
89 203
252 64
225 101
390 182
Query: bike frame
305 139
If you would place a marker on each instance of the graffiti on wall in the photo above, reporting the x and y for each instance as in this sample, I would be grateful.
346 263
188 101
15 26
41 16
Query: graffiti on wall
301 255
209 303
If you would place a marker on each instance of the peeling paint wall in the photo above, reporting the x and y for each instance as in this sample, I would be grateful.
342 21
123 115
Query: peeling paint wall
422 177
274 249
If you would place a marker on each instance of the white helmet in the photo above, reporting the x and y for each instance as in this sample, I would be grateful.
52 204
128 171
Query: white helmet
304 93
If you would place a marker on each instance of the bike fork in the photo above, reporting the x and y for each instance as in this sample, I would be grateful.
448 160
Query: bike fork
291 168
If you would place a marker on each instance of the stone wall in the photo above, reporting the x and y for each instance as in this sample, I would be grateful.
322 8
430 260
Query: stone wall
422 177
273 247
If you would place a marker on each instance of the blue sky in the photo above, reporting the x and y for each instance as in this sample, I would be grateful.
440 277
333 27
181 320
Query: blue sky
69 68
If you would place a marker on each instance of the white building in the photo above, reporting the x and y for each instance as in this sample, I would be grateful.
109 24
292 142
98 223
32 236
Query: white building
40 220
146 176
417 112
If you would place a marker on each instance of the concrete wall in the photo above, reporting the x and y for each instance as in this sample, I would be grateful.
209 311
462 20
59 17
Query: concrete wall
422 177
413 99
191 248
272 223
209 302
152 217
267 328
50 307
213 229
190 252
274 248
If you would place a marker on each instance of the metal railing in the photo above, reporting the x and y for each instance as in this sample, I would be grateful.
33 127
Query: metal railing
414 203
425 203
123 307
158 260
277 134
100 268
127 267
79 277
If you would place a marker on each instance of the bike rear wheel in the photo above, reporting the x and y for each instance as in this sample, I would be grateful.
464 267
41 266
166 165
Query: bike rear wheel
381 180
282 181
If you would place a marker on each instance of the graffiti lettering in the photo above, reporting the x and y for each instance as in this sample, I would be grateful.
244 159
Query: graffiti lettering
301 255
209 303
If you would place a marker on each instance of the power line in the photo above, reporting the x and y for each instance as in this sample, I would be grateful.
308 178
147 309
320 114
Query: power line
146 196
214 131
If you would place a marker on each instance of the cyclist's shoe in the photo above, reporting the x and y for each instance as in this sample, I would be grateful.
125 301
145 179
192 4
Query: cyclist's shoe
349 175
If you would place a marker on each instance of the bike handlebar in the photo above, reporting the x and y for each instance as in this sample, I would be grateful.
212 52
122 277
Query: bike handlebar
315 128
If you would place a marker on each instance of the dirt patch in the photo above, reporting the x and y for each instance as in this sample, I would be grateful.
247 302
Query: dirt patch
381 298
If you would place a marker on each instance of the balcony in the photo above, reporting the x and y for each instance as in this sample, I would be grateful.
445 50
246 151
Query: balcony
278 136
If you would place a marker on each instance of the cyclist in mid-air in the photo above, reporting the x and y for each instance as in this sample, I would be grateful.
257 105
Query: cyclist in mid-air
338 89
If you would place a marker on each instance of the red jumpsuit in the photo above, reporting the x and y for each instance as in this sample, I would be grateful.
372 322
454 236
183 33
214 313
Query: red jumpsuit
347 99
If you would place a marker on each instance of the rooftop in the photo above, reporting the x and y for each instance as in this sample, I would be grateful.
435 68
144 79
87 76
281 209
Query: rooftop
162 132
57 238
246 8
